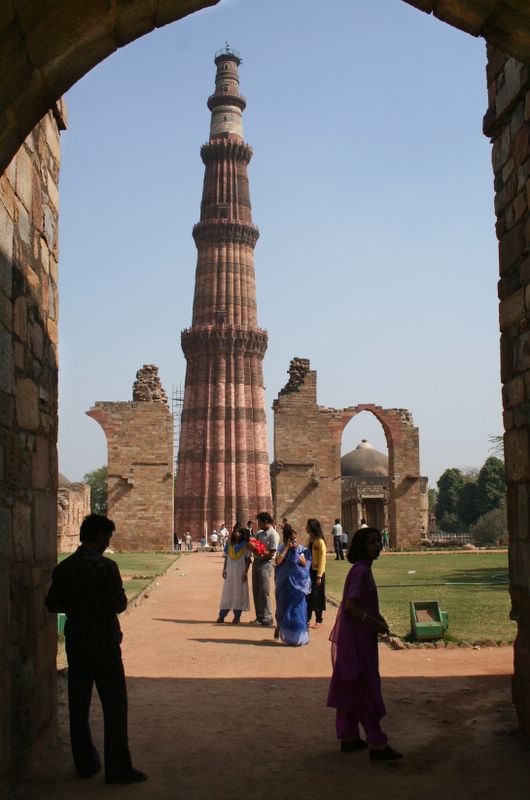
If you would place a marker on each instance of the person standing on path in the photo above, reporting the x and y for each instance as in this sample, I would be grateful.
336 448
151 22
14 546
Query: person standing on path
336 532
88 588
235 569
355 687
316 599
262 568
292 583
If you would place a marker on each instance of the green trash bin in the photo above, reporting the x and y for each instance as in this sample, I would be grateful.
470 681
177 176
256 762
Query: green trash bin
427 621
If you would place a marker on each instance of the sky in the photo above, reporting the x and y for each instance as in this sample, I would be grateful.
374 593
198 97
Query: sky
371 185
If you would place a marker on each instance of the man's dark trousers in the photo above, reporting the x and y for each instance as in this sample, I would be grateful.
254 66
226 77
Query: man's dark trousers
339 552
105 669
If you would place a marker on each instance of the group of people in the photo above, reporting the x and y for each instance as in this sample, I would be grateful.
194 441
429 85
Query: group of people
87 587
299 577
183 542
218 539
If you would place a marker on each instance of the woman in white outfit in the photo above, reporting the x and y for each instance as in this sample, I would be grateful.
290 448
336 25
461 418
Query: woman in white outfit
235 569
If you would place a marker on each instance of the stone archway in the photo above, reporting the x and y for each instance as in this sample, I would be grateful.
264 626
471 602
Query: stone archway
48 45
402 440
45 47
306 471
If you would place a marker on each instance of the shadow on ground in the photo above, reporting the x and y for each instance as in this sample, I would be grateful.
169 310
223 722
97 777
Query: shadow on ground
274 738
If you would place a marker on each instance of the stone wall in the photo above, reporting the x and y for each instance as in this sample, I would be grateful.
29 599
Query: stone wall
28 433
507 123
306 472
140 465
73 505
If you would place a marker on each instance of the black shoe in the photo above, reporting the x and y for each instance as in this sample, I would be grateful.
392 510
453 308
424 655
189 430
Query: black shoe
236 621
388 754
267 624
219 620
134 776
359 744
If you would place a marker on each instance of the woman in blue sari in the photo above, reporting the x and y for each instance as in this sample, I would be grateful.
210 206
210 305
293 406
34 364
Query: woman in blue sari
292 584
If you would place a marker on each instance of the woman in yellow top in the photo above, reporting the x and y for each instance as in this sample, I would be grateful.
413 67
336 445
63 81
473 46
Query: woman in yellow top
316 600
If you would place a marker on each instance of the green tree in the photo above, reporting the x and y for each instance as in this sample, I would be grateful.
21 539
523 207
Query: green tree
491 529
450 523
491 485
468 507
449 485
97 480
432 495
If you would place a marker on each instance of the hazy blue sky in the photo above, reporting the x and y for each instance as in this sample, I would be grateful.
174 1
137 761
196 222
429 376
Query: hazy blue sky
372 188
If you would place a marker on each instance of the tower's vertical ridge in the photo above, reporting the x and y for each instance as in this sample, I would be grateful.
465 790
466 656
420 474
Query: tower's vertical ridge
223 466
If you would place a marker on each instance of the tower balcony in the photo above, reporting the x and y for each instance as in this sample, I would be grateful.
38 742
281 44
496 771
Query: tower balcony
218 149
221 230
221 99
228 53
201 339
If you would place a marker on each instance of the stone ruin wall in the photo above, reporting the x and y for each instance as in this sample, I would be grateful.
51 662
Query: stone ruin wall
507 123
73 505
306 472
140 465
29 203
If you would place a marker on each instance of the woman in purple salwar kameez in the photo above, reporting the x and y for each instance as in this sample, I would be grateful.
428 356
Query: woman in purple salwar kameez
355 687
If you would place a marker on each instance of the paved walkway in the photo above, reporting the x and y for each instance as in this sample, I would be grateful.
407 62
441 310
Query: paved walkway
224 712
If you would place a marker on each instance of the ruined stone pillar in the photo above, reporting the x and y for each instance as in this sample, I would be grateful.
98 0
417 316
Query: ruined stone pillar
140 465
223 465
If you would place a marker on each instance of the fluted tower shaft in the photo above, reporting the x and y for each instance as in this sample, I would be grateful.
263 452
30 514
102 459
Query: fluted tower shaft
223 465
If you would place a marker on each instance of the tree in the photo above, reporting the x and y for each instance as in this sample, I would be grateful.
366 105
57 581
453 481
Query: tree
450 523
449 485
497 445
433 500
97 480
468 507
491 485
492 528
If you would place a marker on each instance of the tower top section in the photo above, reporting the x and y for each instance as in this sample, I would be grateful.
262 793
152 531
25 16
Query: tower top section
226 104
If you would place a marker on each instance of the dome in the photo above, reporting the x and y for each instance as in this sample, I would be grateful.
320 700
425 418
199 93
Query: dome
365 462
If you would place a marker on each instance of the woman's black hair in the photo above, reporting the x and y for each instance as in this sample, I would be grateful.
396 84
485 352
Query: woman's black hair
238 531
288 532
357 549
313 526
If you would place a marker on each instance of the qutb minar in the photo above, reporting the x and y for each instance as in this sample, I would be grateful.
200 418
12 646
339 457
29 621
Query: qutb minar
223 464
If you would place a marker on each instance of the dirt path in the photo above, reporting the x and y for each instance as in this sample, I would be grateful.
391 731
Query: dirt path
224 712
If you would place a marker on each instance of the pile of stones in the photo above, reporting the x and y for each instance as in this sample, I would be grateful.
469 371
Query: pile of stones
298 369
147 387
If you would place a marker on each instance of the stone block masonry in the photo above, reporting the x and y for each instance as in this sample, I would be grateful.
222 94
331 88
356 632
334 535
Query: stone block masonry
140 465
306 473
507 123
73 505
28 435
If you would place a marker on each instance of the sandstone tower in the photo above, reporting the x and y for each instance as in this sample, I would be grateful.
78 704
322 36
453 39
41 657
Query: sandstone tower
223 465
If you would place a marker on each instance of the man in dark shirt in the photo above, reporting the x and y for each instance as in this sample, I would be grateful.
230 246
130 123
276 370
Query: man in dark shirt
87 587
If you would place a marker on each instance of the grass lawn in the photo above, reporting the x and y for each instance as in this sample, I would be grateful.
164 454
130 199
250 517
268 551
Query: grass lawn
471 587
138 569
